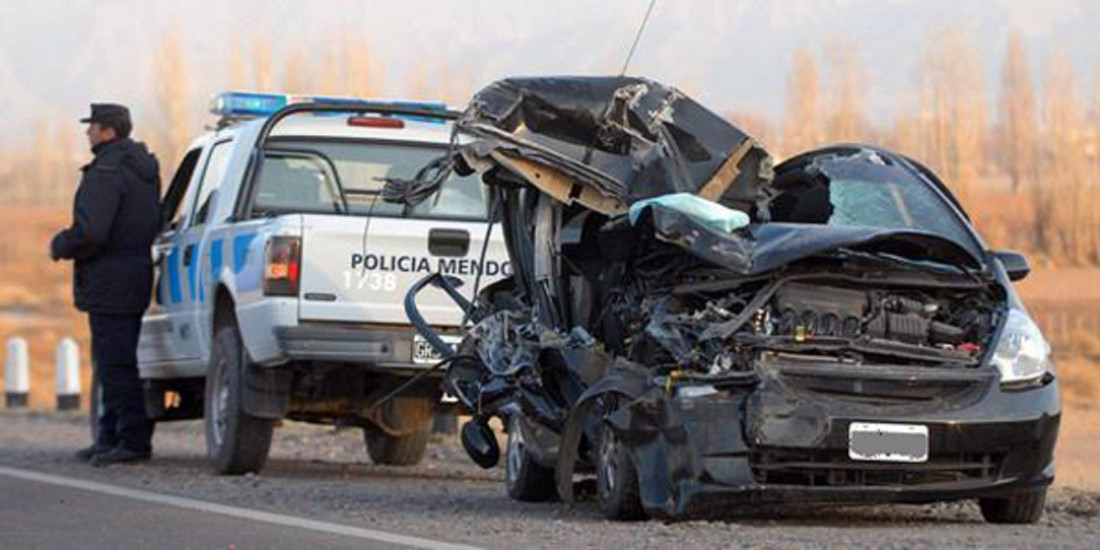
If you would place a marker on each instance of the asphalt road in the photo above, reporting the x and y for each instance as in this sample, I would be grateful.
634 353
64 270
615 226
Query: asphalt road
319 490
65 513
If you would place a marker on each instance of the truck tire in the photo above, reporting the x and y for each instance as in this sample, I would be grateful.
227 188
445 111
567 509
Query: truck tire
525 479
410 418
406 450
236 442
617 480
1025 507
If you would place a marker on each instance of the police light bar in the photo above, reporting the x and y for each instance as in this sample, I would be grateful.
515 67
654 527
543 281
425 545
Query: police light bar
245 104
252 104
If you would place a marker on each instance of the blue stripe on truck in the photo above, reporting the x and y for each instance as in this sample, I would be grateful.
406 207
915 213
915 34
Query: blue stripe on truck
174 275
240 250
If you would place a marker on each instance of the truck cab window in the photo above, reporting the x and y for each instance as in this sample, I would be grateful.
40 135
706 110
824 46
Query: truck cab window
361 168
217 162
173 199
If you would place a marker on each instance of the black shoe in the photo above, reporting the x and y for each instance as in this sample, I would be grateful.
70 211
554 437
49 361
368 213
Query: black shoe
119 455
87 453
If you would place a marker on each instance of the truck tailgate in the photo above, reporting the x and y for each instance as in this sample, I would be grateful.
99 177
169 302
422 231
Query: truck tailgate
358 269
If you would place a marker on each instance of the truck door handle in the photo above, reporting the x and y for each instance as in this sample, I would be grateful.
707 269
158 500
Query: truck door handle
448 242
188 253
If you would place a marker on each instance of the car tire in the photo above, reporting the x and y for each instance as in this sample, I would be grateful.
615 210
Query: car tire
389 450
1024 507
236 442
617 480
525 479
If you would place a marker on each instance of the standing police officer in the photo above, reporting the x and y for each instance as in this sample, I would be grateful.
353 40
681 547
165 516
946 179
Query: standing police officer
116 217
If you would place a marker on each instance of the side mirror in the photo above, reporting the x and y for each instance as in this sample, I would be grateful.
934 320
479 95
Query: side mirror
480 443
1015 264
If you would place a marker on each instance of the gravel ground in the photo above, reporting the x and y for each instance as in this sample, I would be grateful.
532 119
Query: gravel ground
323 473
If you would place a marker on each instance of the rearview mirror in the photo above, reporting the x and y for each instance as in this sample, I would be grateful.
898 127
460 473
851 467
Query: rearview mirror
1014 263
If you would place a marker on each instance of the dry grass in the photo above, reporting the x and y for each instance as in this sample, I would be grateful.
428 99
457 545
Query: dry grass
35 297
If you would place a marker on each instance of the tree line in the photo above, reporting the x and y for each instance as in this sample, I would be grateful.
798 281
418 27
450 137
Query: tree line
1020 153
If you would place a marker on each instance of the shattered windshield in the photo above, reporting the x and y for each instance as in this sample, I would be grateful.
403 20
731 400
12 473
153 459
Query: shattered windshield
865 190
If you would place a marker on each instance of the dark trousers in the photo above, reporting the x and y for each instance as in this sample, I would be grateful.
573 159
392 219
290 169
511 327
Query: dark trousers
123 422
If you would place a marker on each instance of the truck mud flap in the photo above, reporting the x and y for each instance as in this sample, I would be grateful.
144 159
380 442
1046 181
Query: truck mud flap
267 392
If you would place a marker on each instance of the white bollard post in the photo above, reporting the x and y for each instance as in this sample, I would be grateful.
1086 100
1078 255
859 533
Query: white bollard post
17 374
67 359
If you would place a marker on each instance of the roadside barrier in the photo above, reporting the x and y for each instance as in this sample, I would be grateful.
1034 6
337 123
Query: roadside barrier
17 374
67 359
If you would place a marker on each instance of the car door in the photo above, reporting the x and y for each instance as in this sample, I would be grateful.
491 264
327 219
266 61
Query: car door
195 259
160 345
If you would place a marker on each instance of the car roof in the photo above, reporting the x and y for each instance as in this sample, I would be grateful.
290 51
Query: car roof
336 126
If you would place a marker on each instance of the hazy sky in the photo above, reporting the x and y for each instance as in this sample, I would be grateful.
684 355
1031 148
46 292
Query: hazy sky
57 55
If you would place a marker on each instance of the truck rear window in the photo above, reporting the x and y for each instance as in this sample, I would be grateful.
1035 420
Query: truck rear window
306 175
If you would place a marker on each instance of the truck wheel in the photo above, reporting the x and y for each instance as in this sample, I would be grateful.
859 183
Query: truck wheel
236 442
410 416
406 450
617 480
526 479
1026 507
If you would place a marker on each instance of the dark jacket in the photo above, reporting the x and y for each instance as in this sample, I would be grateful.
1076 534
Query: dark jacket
116 218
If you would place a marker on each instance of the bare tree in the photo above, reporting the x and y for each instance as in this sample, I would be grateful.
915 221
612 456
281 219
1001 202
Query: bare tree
952 109
1019 124
847 85
1068 233
173 99
295 79
238 73
42 168
801 128
263 75
364 77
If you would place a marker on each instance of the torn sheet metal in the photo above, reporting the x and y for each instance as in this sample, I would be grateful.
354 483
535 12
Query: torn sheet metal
616 140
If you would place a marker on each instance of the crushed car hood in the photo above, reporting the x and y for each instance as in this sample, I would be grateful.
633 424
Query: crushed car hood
763 247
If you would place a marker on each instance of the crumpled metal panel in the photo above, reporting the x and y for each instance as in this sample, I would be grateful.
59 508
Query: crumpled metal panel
632 138
622 138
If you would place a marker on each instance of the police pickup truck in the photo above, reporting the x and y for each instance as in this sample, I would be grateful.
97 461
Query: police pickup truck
281 274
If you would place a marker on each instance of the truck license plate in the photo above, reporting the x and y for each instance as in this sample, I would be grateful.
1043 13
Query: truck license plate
887 442
424 353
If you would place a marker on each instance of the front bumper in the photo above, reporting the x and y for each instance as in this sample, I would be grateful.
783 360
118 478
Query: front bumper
372 348
788 439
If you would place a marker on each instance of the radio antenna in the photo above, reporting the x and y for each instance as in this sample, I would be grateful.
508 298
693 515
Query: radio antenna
637 37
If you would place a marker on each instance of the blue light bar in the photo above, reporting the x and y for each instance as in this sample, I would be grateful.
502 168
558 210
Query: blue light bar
252 104
243 104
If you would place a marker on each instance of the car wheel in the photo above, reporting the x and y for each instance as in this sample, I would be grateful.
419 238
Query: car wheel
236 442
525 479
617 480
410 416
1025 507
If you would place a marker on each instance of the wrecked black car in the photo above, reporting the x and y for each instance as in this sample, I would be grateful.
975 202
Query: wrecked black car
705 331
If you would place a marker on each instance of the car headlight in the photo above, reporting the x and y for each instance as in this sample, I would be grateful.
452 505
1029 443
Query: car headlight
1022 354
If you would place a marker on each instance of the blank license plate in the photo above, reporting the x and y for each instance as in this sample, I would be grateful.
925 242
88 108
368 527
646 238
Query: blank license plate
423 352
887 442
